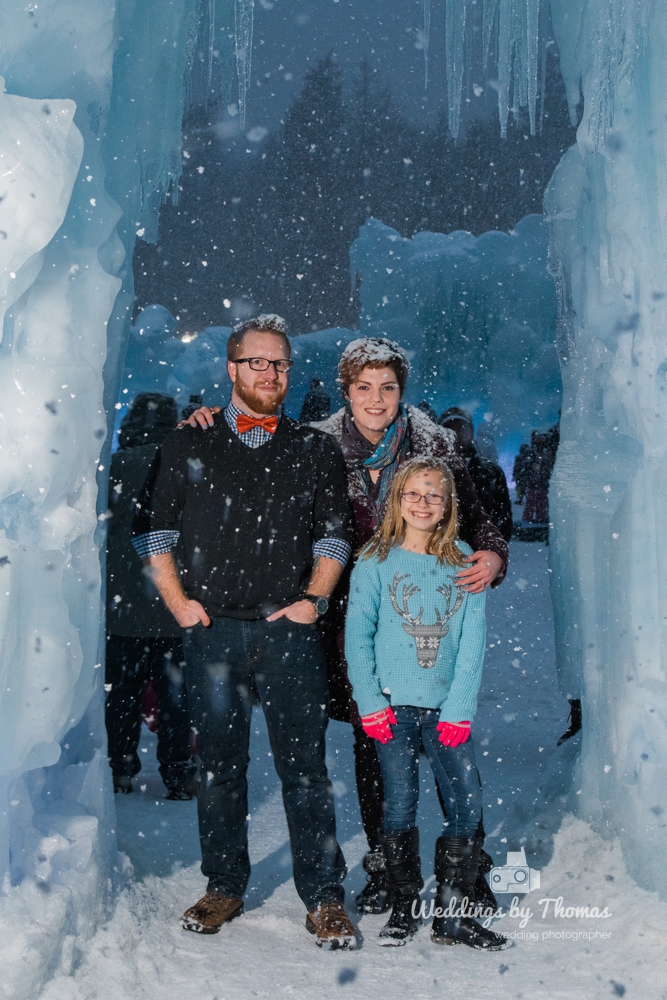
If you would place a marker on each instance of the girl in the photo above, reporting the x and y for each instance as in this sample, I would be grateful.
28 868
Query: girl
414 644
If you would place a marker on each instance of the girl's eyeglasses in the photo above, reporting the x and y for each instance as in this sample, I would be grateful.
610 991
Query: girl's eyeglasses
433 499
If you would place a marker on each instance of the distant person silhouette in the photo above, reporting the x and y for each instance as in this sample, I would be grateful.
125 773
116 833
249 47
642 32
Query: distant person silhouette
427 409
196 399
538 475
143 640
520 471
488 477
317 404
486 446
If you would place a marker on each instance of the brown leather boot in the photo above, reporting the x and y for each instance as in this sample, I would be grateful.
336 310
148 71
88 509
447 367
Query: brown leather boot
211 912
332 927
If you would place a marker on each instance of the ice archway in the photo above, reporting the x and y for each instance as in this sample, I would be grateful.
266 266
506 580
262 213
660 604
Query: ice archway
95 90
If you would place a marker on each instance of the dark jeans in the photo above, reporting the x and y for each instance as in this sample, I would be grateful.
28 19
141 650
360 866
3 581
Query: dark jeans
131 664
370 788
454 769
227 667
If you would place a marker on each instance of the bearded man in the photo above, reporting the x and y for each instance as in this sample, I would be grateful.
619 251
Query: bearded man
266 527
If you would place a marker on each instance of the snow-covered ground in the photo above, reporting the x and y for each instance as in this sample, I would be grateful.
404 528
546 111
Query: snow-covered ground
143 953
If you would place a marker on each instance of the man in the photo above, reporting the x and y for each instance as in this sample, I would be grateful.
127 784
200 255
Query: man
488 477
267 531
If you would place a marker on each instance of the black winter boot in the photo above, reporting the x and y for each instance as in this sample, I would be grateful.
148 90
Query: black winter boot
401 853
374 897
456 867
122 783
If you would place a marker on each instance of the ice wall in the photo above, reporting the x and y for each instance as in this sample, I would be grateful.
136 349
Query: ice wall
477 313
606 207
153 349
89 140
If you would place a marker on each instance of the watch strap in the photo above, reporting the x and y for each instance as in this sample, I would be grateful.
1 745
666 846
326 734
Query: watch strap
320 603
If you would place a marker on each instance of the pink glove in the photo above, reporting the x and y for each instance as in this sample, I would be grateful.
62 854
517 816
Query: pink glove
378 725
453 733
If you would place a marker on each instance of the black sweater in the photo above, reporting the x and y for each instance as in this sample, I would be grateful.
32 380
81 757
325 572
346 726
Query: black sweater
250 516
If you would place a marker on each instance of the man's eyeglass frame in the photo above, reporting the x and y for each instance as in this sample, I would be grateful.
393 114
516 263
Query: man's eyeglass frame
264 365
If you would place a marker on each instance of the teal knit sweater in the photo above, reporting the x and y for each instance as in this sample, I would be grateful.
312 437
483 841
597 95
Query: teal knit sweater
412 637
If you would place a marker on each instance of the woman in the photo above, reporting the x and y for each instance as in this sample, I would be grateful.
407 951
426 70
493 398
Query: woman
377 434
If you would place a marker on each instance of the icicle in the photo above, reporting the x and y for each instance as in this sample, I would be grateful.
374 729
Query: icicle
455 22
191 50
520 78
488 19
427 35
243 20
532 57
505 60
211 46
544 34
518 58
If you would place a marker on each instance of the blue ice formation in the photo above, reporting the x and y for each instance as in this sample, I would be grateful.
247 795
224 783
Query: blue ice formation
91 136
478 315
153 348
606 209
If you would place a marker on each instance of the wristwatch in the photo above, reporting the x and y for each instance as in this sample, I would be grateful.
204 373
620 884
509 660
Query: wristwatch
320 604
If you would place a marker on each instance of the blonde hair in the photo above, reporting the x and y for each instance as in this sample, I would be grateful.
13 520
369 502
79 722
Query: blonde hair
442 542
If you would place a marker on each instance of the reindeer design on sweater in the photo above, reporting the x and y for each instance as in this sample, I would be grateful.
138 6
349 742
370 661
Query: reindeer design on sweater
427 637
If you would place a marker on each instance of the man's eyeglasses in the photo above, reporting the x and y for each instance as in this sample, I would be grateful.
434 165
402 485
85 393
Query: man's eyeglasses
433 499
262 364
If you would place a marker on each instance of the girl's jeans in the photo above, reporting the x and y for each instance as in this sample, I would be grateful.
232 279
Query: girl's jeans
454 768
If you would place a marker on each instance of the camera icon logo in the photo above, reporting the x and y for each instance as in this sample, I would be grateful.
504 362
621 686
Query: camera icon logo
515 876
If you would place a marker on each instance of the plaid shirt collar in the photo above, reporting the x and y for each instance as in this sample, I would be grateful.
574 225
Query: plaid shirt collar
254 438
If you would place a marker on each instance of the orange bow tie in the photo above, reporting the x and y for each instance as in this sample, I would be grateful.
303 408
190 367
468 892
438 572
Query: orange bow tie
244 423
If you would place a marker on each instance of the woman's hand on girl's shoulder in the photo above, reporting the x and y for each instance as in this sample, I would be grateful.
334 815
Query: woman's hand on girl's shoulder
484 568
